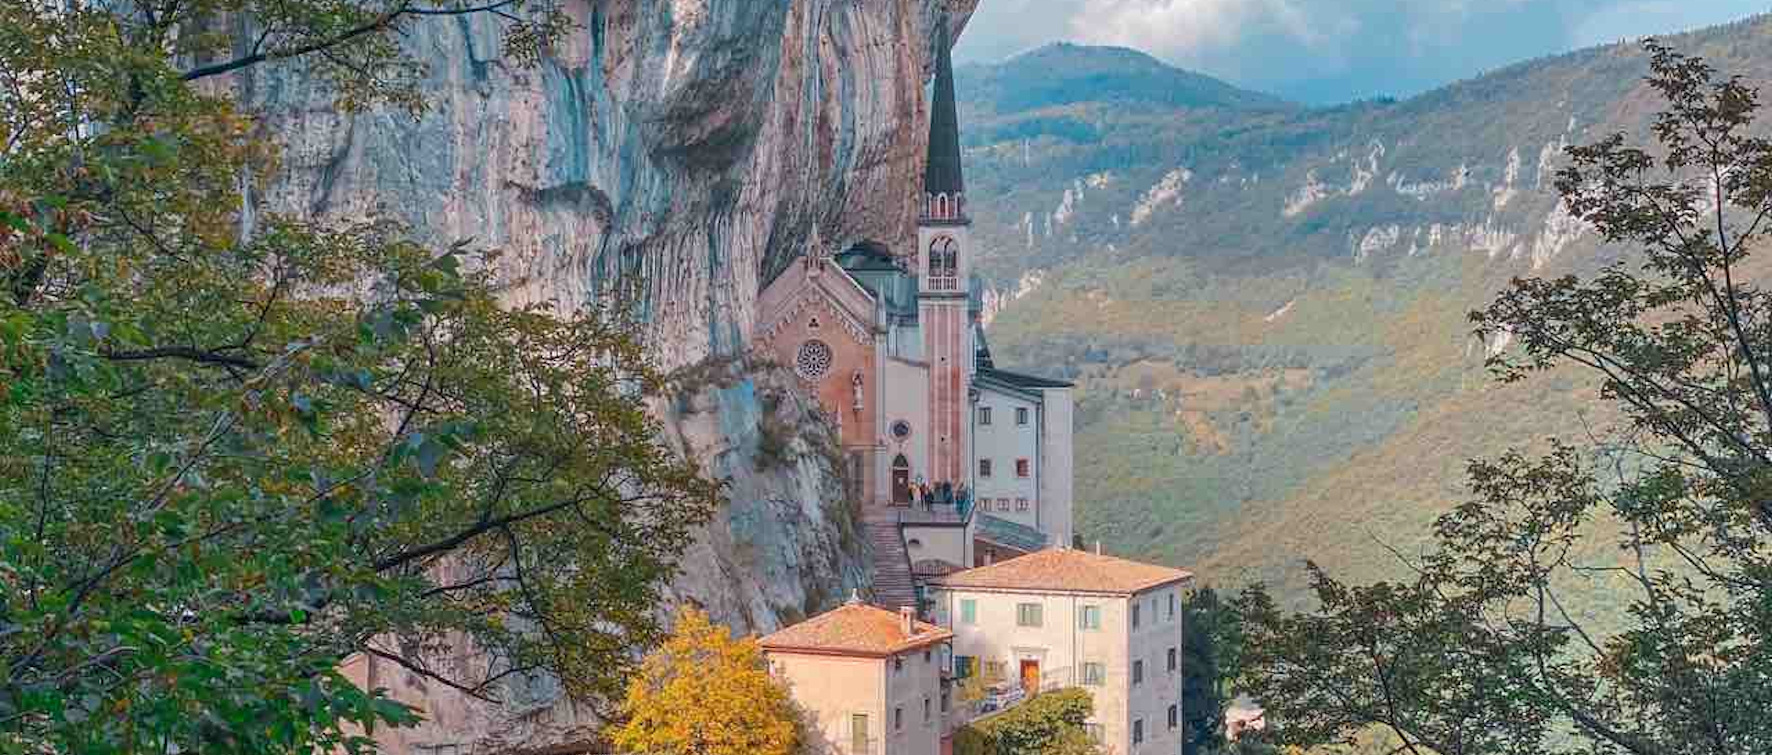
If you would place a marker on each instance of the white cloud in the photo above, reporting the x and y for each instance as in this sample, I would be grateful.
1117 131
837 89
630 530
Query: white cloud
1333 50
1201 32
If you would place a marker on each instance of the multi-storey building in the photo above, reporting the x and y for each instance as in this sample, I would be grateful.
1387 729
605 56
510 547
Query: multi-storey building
939 442
1064 618
870 678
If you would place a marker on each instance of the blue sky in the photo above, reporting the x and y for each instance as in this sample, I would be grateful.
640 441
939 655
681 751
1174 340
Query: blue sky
1326 51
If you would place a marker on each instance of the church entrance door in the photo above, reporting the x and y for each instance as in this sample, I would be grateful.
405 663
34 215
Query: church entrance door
901 480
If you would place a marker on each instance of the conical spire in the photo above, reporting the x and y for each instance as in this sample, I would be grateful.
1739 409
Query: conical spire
941 172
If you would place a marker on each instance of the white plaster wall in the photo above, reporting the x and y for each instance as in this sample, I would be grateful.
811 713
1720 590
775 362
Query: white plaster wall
1003 442
1056 465
1157 632
906 387
1060 646
907 687
946 543
833 688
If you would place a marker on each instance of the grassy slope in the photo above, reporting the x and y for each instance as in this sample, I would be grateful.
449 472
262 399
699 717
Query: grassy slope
1216 435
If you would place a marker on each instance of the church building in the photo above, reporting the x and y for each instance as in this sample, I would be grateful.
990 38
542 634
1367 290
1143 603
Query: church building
968 462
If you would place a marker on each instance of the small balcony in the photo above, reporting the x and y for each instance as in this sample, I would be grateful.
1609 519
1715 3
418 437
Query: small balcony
1005 696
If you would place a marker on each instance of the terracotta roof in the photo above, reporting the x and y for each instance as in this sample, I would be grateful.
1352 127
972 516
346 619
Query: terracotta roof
855 629
1066 570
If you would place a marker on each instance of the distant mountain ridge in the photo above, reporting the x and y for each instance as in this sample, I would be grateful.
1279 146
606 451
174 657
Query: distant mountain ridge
1063 73
1264 303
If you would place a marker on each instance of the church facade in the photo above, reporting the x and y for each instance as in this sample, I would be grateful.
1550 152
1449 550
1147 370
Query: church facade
971 460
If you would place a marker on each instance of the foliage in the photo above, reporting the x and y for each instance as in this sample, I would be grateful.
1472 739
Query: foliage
704 692
1048 724
239 448
1479 652
1211 648
1375 443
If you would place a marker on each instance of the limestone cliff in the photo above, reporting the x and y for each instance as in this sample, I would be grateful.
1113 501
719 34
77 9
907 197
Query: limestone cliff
688 148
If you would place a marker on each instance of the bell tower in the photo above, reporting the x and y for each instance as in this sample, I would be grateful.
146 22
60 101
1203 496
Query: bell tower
944 265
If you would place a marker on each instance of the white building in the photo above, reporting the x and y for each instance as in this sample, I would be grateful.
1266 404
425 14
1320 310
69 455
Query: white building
870 678
1022 452
1063 618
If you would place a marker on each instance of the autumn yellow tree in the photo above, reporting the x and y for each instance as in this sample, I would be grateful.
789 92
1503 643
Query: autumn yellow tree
705 692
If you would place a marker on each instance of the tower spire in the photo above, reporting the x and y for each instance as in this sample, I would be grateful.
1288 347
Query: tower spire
941 171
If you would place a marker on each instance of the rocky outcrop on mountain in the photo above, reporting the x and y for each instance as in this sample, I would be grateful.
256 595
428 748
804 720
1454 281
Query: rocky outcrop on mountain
682 150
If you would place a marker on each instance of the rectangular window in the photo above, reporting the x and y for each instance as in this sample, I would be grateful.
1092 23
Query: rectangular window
1095 732
995 671
1021 504
984 467
1094 674
1027 614
1138 672
984 415
963 666
898 718
858 732
1138 731
1174 717
1021 415
1135 608
968 611
928 712
1023 468
1172 660
897 664
1089 617
945 697
926 656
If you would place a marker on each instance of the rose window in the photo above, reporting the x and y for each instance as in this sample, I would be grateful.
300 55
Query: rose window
814 360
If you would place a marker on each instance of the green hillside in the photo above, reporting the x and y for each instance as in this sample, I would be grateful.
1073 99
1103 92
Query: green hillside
1264 305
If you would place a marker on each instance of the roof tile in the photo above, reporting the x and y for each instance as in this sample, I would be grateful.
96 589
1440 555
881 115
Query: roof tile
855 629
1066 570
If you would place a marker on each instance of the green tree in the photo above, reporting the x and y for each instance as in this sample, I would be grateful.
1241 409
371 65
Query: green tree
1048 724
1480 652
237 454
1210 642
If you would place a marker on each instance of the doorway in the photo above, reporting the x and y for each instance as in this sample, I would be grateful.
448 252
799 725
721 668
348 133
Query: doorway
901 480
1030 676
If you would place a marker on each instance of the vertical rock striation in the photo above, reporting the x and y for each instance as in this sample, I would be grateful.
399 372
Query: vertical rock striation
688 149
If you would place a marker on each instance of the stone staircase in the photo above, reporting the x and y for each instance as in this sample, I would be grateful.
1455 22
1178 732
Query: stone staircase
893 587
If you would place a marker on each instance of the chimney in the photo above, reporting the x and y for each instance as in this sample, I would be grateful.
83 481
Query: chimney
1098 547
907 620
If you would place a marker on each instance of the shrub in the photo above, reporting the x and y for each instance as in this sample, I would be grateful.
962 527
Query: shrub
1049 724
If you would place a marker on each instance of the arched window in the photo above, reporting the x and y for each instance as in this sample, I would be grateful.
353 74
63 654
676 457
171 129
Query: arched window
941 205
944 264
901 480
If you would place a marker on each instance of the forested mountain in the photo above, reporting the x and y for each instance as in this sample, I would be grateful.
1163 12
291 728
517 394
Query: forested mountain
1265 304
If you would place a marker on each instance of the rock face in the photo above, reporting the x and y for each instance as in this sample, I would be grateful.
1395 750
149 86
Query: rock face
683 150
689 147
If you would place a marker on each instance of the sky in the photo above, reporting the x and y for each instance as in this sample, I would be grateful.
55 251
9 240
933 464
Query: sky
1331 51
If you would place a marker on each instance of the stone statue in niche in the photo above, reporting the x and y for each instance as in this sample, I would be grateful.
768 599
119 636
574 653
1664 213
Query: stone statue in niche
855 386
